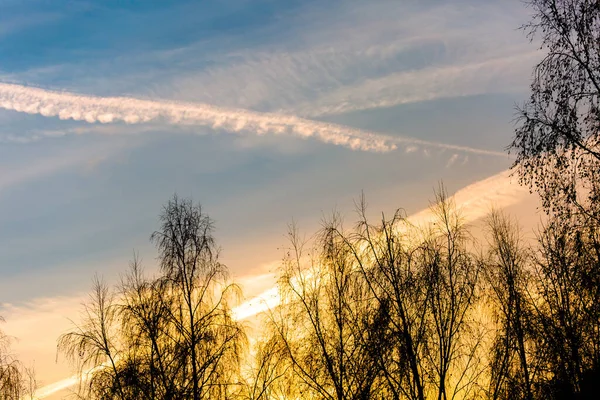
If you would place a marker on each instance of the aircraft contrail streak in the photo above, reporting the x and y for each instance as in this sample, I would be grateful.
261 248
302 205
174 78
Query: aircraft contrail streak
95 109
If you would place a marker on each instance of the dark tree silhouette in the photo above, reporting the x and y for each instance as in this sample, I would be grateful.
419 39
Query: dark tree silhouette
95 343
169 337
507 276
326 320
421 286
556 144
385 259
390 310
202 318
557 137
451 278
567 310
271 374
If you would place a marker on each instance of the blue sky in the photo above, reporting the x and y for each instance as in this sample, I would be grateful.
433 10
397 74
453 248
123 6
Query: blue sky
438 80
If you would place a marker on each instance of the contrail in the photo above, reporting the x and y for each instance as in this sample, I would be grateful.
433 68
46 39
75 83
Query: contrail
63 384
94 109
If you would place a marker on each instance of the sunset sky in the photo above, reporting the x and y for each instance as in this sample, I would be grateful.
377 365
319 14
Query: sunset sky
264 111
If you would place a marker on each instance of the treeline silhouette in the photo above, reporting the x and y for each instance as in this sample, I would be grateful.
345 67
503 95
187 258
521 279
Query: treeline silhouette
384 310
379 311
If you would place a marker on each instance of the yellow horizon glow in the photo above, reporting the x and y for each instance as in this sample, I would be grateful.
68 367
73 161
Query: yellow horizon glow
473 202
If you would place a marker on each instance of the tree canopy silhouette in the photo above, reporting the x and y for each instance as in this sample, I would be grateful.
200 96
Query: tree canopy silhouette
557 137
171 336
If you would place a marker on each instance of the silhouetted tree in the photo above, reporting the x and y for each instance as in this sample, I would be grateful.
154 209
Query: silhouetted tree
391 310
451 276
507 276
169 337
200 311
556 144
16 381
557 137
384 256
325 323
96 342
567 309
271 375
423 287
145 310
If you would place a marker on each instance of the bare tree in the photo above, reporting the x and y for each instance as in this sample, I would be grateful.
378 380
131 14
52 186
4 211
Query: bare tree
556 143
508 279
423 285
325 323
557 137
567 309
172 336
202 314
145 311
271 376
451 279
16 381
384 255
95 342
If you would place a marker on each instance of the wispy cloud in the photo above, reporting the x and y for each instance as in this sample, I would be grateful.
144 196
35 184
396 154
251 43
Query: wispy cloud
47 166
315 81
94 109
452 160
498 75
17 23
365 57
362 55
476 200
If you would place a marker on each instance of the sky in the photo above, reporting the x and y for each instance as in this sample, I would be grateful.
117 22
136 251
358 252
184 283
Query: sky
264 111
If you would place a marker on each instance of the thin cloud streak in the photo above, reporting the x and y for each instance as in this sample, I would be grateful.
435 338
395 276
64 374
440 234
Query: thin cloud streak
330 46
67 383
93 109
496 75
43 167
